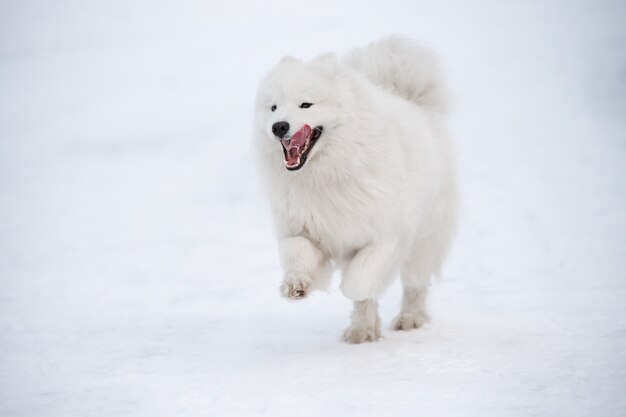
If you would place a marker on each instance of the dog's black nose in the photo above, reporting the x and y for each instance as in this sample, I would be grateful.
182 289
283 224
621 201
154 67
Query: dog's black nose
280 129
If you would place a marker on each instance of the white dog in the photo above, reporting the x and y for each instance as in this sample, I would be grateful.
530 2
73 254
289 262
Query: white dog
361 175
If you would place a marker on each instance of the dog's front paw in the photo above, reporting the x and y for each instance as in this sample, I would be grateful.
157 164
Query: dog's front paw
295 287
409 321
359 334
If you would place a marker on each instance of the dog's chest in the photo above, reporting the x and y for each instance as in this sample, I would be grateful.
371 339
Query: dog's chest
334 218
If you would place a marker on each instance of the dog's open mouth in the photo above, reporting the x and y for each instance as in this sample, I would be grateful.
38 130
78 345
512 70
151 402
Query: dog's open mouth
299 145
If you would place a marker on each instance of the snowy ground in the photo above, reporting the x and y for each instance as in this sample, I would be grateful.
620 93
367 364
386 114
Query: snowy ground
138 270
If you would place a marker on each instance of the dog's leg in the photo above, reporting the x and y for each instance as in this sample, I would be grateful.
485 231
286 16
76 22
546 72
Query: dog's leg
425 260
416 274
365 326
306 268
370 271
366 276
413 313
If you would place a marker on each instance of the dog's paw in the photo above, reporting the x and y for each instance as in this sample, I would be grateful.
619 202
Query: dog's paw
359 334
295 287
409 321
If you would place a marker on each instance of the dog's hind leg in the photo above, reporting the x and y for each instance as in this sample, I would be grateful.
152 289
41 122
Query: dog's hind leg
424 262
413 313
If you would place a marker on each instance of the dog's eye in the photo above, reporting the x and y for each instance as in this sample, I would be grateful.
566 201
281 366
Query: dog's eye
305 105
274 107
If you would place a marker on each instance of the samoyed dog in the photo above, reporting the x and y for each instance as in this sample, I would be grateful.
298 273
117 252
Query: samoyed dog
360 174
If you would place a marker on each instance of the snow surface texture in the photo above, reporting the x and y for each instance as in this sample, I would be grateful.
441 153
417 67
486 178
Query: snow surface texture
138 269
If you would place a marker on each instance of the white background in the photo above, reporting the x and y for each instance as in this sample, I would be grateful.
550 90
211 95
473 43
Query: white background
138 269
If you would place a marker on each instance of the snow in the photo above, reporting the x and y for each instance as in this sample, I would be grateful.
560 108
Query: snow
138 269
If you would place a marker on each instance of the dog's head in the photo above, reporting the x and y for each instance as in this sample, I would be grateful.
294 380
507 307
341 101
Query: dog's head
297 108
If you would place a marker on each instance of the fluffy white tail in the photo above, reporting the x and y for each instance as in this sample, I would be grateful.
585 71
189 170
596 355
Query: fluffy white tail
403 67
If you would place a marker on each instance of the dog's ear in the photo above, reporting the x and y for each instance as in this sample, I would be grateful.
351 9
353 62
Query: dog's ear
288 59
328 63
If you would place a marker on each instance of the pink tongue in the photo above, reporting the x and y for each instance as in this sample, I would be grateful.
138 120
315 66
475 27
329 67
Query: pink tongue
295 146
